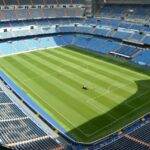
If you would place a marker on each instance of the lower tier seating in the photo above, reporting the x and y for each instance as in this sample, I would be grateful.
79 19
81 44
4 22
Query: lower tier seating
125 144
143 133
143 58
43 144
10 111
126 51
4 98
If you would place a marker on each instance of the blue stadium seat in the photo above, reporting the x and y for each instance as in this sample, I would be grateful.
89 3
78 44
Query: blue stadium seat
143 58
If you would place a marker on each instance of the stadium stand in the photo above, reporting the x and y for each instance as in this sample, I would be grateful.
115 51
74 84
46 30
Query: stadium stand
23 14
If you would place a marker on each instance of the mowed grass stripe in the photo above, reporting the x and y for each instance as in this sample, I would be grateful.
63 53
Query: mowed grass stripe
107 64
103 94
116 77
41 89
62 66
112 67
108 72
38 67
90 78
80 94
99 108
26 85
77 78
95 77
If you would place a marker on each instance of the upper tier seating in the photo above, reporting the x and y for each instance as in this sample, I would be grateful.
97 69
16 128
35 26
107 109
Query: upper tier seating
132 12
39 2
26 14
118 23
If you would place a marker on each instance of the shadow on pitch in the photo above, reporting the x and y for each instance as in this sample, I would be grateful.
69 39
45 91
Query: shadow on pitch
106 124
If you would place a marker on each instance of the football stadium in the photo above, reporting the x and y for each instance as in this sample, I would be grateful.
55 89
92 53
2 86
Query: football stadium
75 74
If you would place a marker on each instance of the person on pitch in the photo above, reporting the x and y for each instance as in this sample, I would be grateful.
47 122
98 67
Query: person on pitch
84 87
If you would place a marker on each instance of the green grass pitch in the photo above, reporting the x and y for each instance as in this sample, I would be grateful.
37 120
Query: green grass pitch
117 93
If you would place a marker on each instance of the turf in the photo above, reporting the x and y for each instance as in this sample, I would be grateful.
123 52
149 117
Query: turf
117 93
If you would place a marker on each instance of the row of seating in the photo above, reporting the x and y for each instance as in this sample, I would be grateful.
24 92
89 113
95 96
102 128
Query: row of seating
43 22
120 33
128 138
39 2
128 12
118 23
104 45
27 14
141 140
21 133
44 144
10 111
143 133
